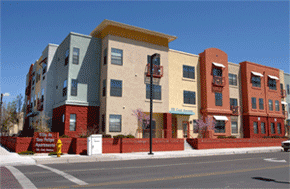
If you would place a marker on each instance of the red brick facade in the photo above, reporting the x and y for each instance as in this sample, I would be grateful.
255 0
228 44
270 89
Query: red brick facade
86 116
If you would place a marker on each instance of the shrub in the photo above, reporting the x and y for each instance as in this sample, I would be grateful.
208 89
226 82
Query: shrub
53 153
106 136
221 137
64 136
119 136
26 153
231 137
129 136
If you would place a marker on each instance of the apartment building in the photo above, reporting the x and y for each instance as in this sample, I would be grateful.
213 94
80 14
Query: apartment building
100 80
286 102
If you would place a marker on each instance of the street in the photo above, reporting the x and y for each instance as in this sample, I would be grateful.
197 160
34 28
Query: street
262 170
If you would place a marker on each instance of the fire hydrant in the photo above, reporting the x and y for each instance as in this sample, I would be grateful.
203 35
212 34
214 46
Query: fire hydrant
58 147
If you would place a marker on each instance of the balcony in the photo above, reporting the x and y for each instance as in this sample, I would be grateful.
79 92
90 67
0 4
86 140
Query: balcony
39 105
283 93
218 81
285 113
235 110
157 71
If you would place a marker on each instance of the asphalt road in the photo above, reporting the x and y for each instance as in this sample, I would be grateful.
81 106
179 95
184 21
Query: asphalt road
227 171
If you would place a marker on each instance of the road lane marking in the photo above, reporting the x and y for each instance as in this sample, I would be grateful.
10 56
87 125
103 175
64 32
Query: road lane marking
150 166
172 177
21 178
274 160
65 175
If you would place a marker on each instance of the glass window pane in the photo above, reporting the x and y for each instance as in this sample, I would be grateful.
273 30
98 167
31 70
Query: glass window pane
234 127
255 124
263 130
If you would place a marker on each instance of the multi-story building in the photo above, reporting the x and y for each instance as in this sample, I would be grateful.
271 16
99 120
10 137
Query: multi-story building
287 101
100 80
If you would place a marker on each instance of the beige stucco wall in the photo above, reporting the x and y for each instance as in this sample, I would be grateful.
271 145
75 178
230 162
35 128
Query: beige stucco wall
177 84
132 74
236 92
282 81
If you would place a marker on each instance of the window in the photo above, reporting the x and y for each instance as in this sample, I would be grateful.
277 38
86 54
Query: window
234 127
31 102
103 123
256 81
261 104
272 84
279 128
188 72
72 122
146 128
115 123
117 56
33 78
218 99
254 103
104 87
277 107
156 62
105 56
76 54
74 87
281 87
271 105
66 57
217 72
233 102
116 88
195 127
220 127
272 128
188 97
34 100
42 94
255 125
288 89
263 130
44 68
233 79
64 88
156 92
63 118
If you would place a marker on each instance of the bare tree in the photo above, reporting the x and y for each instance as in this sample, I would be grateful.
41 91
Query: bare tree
204 125
41 124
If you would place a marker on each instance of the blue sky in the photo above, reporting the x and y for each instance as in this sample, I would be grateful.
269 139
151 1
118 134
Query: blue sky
256 31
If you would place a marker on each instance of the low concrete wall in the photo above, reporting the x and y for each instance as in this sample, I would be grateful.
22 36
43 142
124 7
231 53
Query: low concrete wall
206 143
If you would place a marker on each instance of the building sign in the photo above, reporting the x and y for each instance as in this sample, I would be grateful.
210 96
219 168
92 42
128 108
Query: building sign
181 111
45 142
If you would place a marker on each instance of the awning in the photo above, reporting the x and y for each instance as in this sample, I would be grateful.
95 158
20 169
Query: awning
273 77
282 102
221 118
257 74
218 65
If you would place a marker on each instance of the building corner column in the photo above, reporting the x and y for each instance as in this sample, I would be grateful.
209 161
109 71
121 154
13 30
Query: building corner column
167 117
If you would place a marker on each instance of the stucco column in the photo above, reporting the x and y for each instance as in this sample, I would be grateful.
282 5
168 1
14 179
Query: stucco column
167 117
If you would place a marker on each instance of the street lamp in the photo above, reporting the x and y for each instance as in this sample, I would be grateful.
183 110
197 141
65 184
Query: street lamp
5 94
154 57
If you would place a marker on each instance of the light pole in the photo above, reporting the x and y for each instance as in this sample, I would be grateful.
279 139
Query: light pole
153 58
5 94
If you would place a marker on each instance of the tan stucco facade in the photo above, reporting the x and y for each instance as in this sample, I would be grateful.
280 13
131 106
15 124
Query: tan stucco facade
178 84
235 92
132 75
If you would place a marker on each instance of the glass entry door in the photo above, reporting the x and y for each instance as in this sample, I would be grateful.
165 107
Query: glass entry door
185 125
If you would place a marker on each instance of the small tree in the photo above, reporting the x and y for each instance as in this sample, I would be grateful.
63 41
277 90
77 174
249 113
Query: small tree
205 124
141 116
90 130
41 125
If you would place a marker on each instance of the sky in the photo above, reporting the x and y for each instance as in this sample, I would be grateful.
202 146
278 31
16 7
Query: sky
256 31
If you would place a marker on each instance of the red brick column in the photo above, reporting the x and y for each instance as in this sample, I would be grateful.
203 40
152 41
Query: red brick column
167 117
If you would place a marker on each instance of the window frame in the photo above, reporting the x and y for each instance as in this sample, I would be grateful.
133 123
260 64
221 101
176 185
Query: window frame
113 57
74 122
277 105
271 105
261 104
288 89
233 79
263 128
187 96
256 81
155 91
189 72
104 87
105 56
233 102
219 124
195 126
218 99
272 84
66 59
218 72
279 128
254 103
76 57
235 129
255 127
74 87
119 89
272 128
111 116
64 88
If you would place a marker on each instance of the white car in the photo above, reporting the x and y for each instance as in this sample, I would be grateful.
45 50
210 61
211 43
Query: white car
286 145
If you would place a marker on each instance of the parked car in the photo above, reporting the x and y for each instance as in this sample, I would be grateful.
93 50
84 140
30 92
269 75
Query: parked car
286 145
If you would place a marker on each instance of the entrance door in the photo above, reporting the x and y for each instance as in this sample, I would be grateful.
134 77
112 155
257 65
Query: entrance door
185 125
146 129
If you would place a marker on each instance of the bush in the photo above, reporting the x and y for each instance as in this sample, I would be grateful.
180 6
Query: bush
26 153
129 136
222 137
275 136
53 153
64 136
232 137
107 136
119 136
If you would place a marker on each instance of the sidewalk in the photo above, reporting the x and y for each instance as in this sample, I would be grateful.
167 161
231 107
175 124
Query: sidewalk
10 158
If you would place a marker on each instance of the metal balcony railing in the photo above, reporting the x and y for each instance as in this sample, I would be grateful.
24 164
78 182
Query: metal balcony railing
283 93
235 110
157 71
218 81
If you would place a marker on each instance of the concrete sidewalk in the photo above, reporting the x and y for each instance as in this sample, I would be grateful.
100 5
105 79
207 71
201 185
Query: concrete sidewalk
10 158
